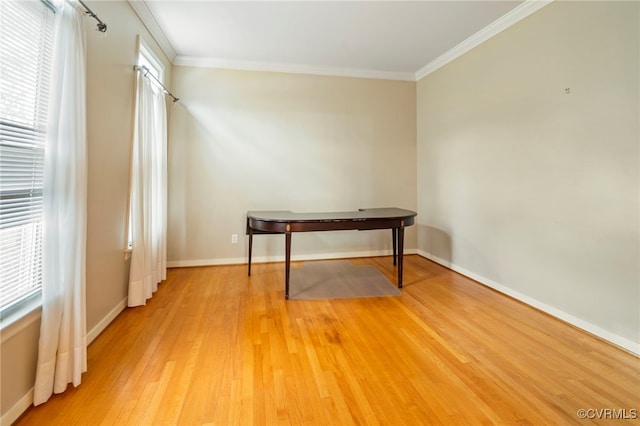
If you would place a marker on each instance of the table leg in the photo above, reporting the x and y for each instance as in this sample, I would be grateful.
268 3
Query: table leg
400 254
287 263
250 247
394 236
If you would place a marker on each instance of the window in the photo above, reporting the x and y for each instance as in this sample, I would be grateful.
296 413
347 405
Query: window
26 44
147 59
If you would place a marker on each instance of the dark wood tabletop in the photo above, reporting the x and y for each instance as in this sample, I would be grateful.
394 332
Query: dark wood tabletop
361 214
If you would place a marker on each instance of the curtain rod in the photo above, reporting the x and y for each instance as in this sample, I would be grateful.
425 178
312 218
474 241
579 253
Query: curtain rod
147 74
102 27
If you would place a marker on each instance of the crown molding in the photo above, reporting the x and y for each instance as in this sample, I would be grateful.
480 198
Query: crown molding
193 61
149 21
513 17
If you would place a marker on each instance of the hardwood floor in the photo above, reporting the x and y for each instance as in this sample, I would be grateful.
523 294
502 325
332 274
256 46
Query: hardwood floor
214 346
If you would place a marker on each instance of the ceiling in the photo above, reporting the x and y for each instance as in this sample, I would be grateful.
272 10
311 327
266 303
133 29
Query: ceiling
383 39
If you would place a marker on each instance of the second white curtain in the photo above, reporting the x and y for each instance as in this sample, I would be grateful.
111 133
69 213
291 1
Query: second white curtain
148 193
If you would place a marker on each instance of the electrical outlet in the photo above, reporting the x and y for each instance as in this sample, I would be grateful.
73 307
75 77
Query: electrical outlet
234 238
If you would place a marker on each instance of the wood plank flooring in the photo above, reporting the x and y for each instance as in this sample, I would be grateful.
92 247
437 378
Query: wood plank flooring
215 347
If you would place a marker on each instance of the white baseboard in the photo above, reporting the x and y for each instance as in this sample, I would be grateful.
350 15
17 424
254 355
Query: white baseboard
16 411
102 325
27 400
270 259
622 342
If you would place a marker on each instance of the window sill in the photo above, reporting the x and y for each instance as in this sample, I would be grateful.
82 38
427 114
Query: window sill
17 321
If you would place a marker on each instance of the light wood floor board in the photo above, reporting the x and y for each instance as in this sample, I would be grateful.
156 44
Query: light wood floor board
215 347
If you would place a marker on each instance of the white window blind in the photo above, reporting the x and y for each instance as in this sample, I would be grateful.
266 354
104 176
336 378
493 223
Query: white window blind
26 42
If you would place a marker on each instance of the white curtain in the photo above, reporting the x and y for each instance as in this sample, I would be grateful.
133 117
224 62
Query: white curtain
148 193
62 356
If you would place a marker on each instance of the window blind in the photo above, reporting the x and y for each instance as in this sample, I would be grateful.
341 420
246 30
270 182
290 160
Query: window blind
26 43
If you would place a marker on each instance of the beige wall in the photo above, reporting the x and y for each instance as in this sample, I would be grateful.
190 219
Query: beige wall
110 103
533 190
110 91
244 140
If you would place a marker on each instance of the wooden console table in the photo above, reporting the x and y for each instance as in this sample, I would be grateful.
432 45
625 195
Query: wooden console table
286 222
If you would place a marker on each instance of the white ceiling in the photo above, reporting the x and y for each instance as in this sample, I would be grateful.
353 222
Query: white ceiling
384 39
